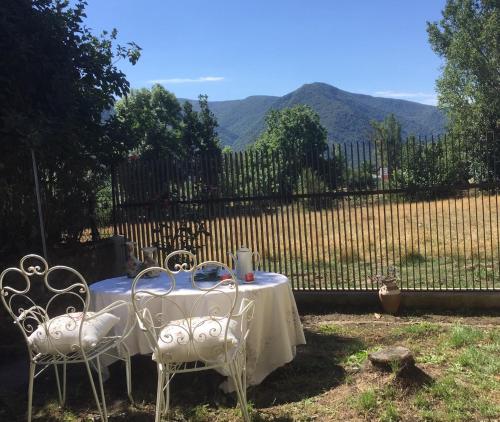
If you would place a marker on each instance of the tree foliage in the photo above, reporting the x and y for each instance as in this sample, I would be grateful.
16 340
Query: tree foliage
57 78
295 138
151 120
159 126
432 169
468 39
295 131
386 136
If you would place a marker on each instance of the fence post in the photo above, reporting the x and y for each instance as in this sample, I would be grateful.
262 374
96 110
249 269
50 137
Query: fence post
39 203
113 199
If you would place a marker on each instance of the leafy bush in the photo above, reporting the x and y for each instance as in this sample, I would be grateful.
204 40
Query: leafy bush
57 80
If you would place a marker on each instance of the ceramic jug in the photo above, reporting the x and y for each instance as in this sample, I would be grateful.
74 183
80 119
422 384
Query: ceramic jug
133 265
243 261
151 260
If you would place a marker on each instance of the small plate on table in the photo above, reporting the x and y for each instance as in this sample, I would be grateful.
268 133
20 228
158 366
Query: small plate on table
208 273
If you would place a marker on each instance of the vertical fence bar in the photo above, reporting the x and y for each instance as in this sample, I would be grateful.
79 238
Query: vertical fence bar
113 199
419 259
431 196
255 193
355 238
321 202
447 162
233 224
344 219
495 192
441 163
257 160
462 204
399 199
274 215
361 185
337 183
371 205
468 148
202 211
308 262
225 210
450 159
403 259
329 204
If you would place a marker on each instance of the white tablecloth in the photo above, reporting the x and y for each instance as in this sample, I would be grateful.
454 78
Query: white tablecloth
275 331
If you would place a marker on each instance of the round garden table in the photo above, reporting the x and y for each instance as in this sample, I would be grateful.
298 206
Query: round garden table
275 329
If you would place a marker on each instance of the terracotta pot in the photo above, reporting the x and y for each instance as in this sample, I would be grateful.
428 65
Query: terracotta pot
390 300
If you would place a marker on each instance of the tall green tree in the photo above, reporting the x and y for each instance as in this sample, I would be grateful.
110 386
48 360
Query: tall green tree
294 138
200 141
386 136
161 127
199 129
57 79
468 39
296 130
152 121
432 169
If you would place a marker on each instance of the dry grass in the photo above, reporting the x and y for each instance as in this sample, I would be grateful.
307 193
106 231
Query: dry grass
439 243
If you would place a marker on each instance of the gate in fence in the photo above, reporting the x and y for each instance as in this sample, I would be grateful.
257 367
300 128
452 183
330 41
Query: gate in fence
329 219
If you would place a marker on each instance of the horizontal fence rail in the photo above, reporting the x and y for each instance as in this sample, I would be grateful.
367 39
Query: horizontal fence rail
329 219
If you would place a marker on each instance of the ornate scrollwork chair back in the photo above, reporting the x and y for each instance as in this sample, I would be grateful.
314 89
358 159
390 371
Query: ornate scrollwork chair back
50 305
188 335
32 309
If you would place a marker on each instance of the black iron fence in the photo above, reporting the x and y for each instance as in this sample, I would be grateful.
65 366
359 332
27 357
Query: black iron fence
328 219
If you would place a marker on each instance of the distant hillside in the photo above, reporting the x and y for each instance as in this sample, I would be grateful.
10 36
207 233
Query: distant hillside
345 115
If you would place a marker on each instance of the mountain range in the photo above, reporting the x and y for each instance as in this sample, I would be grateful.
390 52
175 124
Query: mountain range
345 115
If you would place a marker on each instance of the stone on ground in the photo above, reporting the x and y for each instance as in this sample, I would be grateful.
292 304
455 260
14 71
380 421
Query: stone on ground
396 357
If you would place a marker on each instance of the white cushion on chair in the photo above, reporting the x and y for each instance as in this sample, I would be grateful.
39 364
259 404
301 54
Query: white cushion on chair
64 331
207 342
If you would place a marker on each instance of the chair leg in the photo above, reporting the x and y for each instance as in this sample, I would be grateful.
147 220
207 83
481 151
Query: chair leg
101 387
58 382
243 366
94 391
128 372
159 393
168 378
236 376
30 389
64 384
61 391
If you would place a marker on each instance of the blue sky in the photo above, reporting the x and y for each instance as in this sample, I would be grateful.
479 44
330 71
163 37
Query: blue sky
233 48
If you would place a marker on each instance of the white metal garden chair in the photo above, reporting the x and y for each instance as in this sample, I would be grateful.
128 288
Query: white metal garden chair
194 335
62 331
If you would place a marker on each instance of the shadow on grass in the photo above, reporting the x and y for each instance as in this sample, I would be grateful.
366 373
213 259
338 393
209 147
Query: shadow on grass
412 378
315 369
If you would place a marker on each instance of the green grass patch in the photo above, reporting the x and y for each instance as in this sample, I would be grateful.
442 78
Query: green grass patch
366 402
390 414
330 329
481 360
419 329
464 336
432 358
